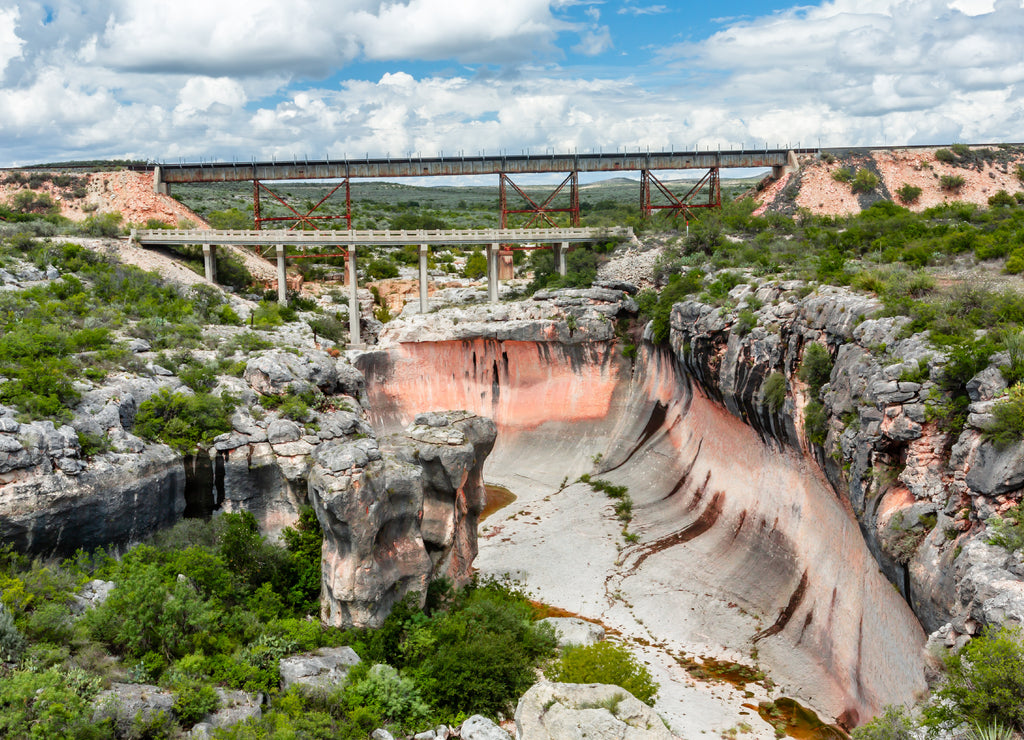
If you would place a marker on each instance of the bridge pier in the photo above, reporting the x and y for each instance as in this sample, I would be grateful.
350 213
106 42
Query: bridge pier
159 186
354 339
424 251
492 272
792 165
210 262
282 277
560 250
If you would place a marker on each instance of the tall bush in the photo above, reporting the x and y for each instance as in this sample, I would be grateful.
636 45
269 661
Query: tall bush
984 683
608 663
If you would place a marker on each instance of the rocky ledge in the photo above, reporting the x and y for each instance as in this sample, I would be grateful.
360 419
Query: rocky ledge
922 495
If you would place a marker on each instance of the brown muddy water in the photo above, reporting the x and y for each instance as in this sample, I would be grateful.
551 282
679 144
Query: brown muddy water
497 498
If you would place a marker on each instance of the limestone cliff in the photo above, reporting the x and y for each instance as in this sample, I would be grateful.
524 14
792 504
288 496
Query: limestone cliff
739 539
920 495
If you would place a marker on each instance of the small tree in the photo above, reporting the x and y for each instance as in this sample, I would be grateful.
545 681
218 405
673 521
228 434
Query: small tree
984 683
864 181
908 193
476 265
951 183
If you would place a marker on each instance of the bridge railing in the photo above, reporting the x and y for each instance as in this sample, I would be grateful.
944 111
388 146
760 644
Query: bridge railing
385 236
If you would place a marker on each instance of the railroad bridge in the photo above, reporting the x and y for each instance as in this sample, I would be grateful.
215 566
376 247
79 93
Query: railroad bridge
655 195
560 240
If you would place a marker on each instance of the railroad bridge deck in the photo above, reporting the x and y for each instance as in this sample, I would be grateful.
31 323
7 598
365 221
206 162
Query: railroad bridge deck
493 239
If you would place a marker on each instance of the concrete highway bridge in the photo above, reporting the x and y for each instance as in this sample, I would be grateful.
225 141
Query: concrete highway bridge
493 239
654 194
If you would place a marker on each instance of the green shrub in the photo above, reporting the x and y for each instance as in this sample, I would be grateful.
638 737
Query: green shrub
231 218
815 368
55 703
1001 198
774 391
476 265
27 201
388 696
1007 426
659 306
380 269
816 423
480 656
193 700
1007 531
607 663
951 183
945 155
908 193
984 683
864 182
842 174
330 327
104 224
12 643
145 615
1015 262
892 724
746 321
184 422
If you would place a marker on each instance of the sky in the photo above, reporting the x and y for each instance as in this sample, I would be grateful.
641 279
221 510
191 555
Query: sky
194 80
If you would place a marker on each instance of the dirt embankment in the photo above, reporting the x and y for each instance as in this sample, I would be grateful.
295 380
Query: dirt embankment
124 191
984 172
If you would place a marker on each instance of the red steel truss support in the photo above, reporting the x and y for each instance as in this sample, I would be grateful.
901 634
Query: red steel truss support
680 205
539 211
307 219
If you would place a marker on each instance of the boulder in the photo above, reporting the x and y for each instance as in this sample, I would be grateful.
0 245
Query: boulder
321 668
479 727
124 703
996 471
573 631
276 372
92 594
571 711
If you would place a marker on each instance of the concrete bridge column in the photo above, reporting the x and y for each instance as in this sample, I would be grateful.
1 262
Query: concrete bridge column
492 272
282 277
560 251
210 262
424 251
353 301
159 186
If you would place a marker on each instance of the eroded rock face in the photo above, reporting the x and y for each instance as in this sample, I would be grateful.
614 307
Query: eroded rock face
398 513
728 520
569 711
920 497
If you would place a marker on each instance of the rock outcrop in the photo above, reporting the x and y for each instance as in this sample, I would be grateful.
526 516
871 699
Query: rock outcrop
398 513
921 496
569 711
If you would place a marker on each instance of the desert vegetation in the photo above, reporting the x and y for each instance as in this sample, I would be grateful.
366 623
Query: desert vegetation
214 604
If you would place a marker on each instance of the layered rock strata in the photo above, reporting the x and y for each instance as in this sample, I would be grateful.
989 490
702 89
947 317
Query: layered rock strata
740 541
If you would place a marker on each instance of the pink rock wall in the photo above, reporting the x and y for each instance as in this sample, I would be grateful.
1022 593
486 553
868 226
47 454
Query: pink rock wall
717 509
